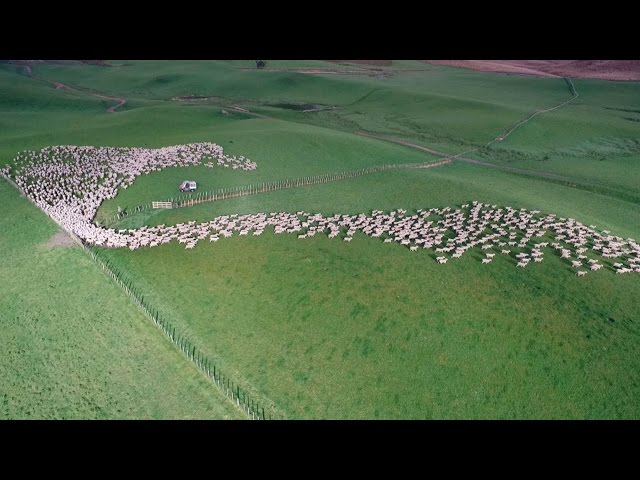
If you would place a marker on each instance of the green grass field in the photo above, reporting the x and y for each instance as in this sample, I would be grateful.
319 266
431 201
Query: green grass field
367 330
320 327
73 346
315 151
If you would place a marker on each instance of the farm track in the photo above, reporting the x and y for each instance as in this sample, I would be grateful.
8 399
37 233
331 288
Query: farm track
462 158
565 180
540 174
447 158
613 70
63 86
353 70
536 113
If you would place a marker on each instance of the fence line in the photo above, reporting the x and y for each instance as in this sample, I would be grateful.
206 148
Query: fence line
253 409
265 187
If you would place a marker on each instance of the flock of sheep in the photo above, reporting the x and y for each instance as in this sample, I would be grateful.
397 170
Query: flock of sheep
447 231
70 183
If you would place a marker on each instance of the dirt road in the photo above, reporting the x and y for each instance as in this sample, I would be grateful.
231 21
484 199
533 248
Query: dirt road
619 70
461 158
62 86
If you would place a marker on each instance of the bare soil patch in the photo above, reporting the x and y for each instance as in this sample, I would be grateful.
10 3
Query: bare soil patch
371 71
377 63
323 71
621 70
63 86
60 239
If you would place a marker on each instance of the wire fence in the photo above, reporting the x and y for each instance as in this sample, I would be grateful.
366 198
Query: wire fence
250 406
243 400
190 199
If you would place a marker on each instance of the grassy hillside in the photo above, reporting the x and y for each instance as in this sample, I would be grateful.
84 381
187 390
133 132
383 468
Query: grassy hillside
323 328
307 322
75 347
315 151
327 329
596 138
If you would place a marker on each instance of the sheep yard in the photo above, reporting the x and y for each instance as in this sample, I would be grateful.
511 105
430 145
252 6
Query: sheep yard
397 293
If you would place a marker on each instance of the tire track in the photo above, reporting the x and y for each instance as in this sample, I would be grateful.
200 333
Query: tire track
540 174
63 86
501 138
460 157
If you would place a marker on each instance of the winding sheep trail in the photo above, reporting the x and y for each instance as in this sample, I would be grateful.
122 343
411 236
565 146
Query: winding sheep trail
62 86
112 109
415 146
541 174
575 95
461 158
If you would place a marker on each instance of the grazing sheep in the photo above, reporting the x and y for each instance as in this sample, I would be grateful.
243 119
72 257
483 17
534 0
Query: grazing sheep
69 184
